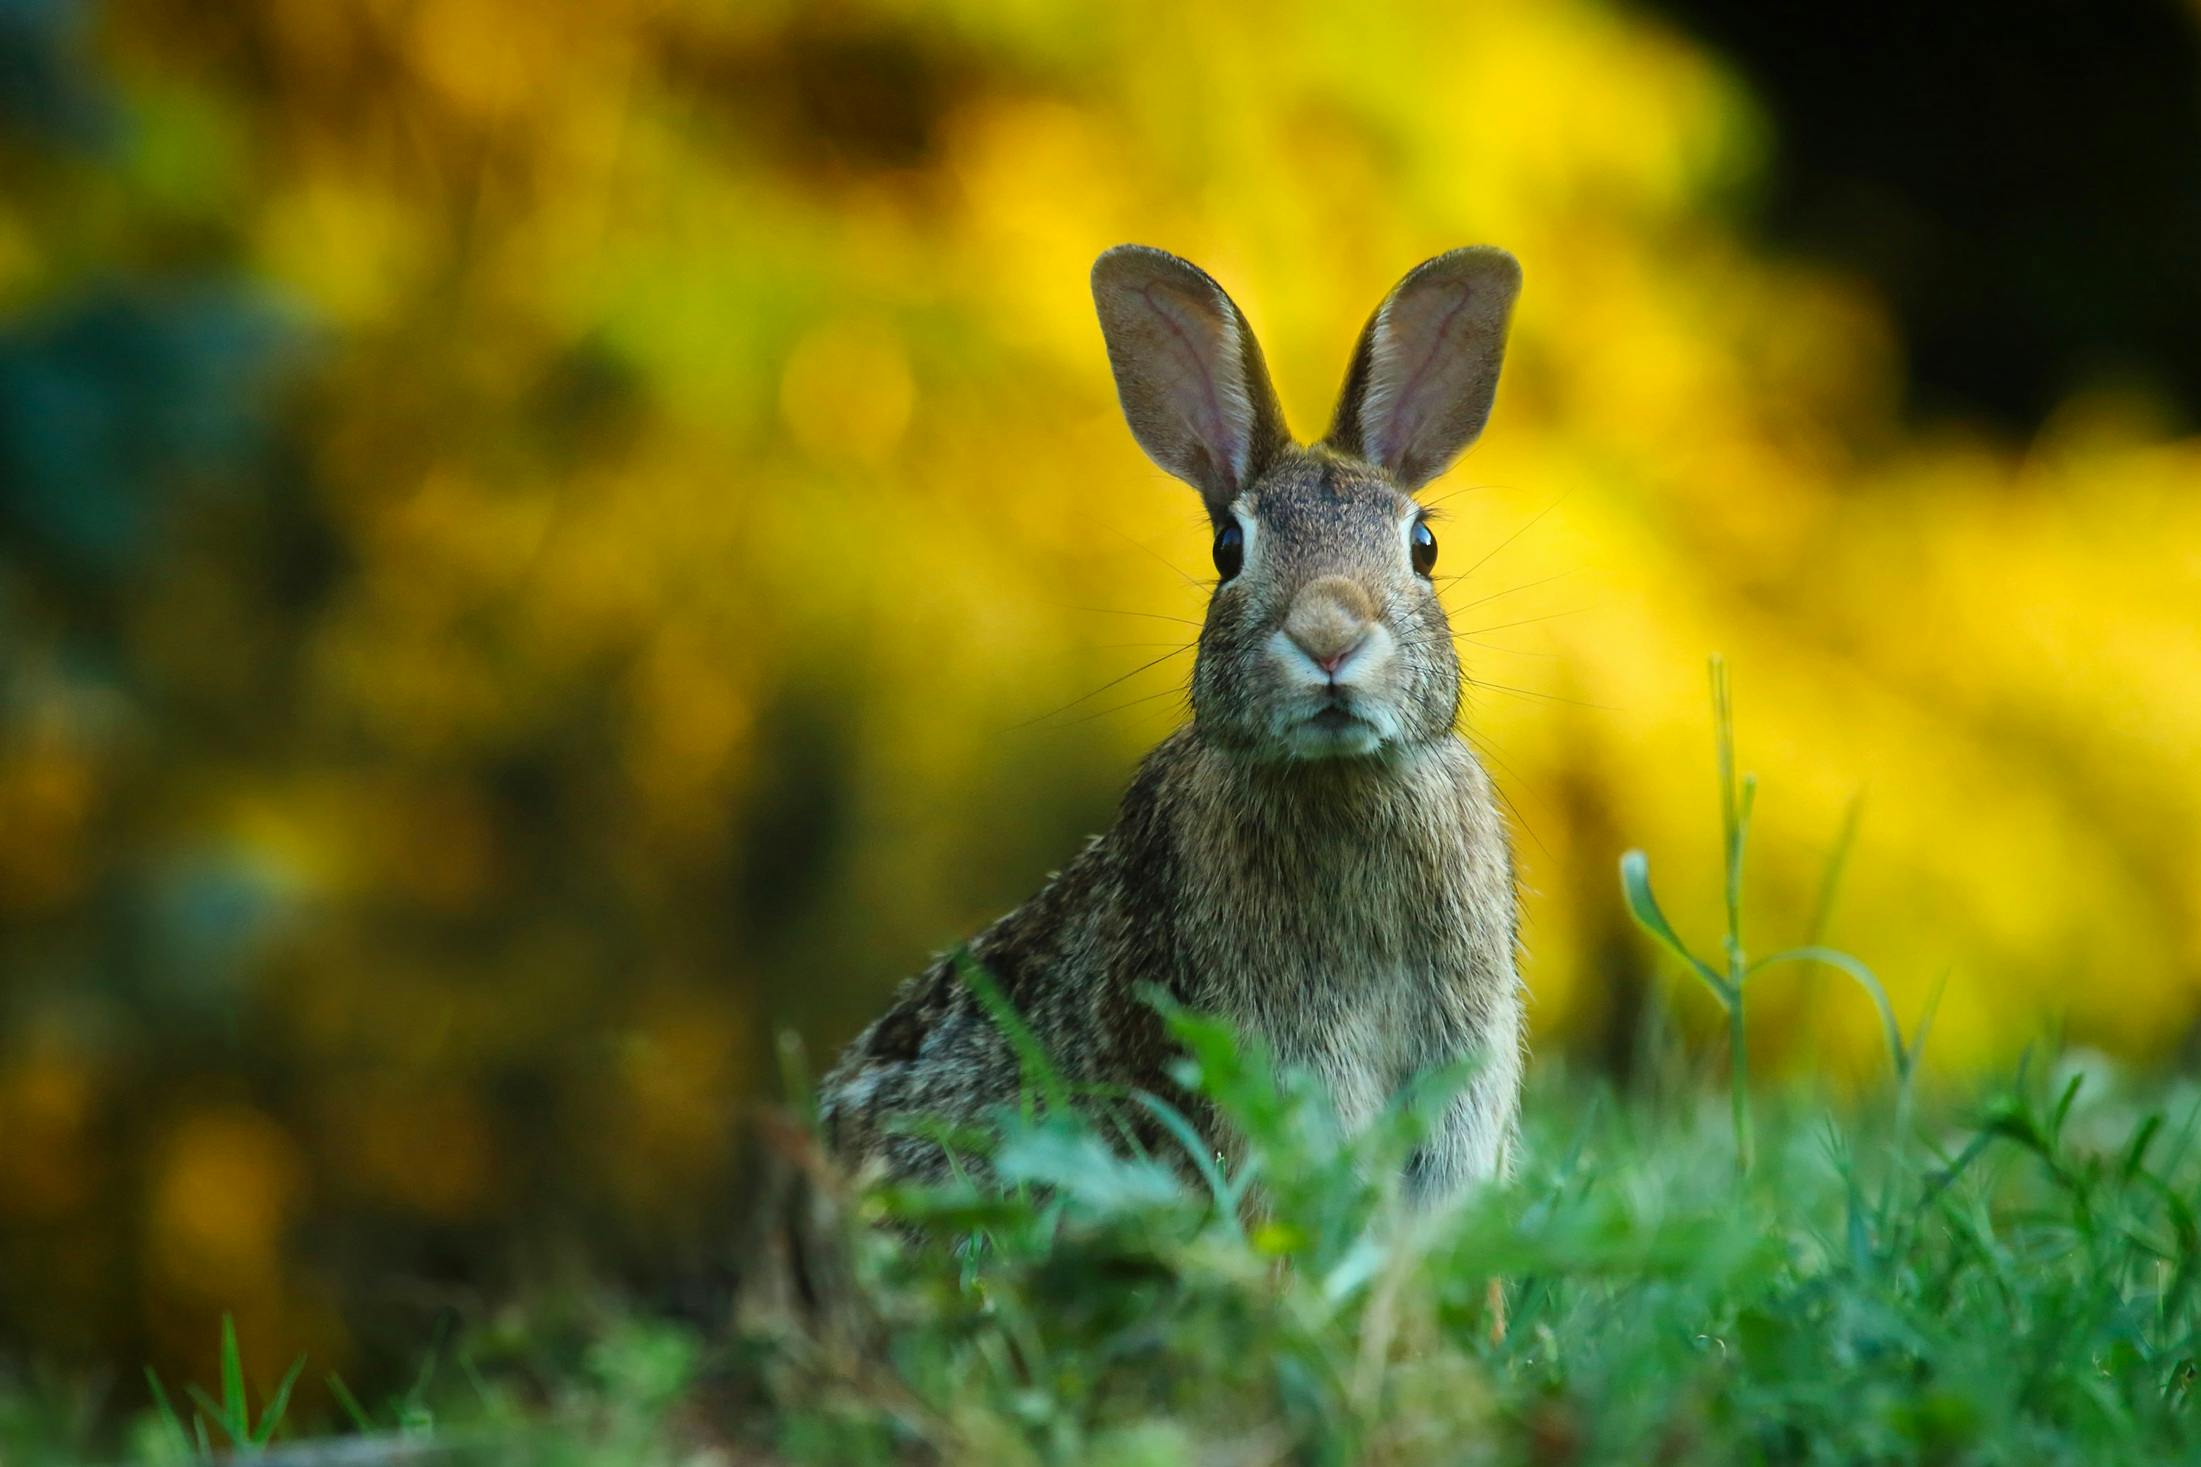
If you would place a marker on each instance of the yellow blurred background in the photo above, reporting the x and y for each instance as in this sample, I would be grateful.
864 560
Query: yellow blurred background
547 546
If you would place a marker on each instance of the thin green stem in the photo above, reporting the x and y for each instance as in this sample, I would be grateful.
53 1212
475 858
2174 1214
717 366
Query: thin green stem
1736 798
1739 1092
1732 815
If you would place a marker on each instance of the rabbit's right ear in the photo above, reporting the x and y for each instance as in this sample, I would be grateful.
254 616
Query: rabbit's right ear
1193 384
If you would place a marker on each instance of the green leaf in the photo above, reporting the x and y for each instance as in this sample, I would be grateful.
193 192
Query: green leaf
1734 811
1830 881
950 1208
1898 1052
278 1404
2188 1234
1196 1147
168 1416
1635 890
1039 1070
2143 1137
236 1419
1926 1021
1239 1077
344 1398
1076 1163
2063 1106
211 1407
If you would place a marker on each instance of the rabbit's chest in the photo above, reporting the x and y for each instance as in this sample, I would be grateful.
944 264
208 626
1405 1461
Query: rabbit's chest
1367 1033
1364 971
1365 1000
1360 922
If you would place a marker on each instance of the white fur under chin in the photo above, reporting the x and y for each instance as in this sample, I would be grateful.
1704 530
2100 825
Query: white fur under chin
1361 737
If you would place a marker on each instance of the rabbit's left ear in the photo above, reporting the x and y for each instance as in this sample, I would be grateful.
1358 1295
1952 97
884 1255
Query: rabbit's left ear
1425 371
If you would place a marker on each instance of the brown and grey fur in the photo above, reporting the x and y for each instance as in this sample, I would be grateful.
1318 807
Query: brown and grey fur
1317 856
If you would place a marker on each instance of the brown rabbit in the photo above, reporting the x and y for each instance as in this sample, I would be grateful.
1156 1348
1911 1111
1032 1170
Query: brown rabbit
1317 856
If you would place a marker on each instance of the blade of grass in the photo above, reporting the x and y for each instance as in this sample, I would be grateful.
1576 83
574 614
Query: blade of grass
167 1412
350 1404
1898 1052
236 1416
208 1406
1830 880
1635 889
1734 815
1039 1070
277 1404
1174 1122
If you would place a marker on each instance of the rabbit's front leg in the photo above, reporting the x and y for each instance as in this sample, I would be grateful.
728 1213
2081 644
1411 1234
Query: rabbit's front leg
1472 1142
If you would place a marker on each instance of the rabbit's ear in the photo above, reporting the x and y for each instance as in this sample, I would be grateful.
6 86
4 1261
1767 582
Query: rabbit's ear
1190 374
1419 390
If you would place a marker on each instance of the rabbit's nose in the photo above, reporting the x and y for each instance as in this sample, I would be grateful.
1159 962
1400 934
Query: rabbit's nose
1329 620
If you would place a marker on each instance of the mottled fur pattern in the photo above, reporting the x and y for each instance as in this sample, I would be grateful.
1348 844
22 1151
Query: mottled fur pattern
1317 856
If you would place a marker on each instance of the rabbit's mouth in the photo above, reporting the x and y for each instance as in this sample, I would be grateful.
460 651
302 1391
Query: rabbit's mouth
1334 730
1336 718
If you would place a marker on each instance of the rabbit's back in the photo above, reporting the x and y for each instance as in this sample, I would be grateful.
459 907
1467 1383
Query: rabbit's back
1069 962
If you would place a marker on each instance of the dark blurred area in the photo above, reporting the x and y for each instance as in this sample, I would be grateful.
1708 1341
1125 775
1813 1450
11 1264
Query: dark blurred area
2022 182
518 540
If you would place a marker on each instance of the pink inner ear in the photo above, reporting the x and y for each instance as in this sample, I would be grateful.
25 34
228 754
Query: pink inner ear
1193 380
1428 345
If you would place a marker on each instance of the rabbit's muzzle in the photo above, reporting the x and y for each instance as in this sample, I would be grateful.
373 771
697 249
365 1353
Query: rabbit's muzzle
1329 622
1332 659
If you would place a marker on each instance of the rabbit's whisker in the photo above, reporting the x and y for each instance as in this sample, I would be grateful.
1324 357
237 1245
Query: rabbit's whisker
1524 621
1195 584
1150 615
1178 691
1533 521
1452 494
1474 641
1471 634
1104 687
1489 751
1510 590
1533 693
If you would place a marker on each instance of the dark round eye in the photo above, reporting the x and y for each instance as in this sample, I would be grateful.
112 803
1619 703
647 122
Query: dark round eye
1424 548
1230 550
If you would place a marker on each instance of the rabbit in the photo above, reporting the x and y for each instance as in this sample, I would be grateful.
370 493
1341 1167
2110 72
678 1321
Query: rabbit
1317 856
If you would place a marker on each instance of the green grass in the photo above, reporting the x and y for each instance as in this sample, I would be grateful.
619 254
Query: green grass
2005 1277
2015 1284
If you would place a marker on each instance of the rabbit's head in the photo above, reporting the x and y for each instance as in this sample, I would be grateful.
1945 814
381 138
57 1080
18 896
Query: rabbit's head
1325 637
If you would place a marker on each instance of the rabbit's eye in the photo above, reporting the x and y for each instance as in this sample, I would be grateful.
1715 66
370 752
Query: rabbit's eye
1424 545
1230 551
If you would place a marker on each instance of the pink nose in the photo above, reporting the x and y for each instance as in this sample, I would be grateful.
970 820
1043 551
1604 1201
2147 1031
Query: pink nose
1335 660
